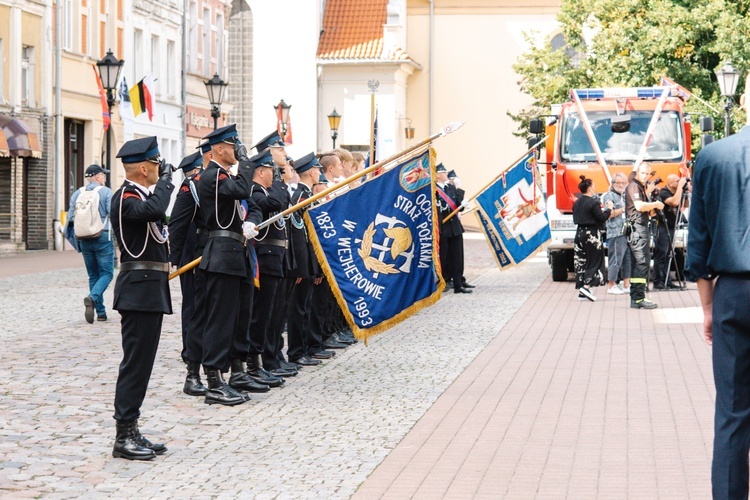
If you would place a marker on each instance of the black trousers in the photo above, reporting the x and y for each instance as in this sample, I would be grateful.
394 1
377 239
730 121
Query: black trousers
731 366
272 354
263 306
641 252
241 342
222 315
298 325
140 340
662 247
452 258
322 304
187 287
194 340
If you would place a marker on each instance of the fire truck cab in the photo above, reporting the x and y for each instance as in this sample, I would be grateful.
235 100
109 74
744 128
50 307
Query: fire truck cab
600 132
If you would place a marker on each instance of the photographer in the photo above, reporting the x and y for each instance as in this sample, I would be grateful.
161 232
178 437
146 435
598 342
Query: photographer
670 195
637 208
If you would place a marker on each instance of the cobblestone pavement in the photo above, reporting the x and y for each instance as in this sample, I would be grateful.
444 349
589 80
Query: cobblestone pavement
318 437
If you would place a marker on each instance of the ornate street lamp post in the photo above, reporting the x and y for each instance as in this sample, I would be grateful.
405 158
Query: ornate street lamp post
728 78
333 121
215 89
109 72
282 114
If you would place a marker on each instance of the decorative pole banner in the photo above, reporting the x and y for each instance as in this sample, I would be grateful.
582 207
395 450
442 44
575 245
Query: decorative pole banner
514 209
377 246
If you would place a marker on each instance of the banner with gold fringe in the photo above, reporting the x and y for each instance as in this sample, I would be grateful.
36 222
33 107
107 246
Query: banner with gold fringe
377 246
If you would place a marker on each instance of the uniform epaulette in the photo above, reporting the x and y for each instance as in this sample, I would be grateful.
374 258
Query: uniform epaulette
223 176
130 194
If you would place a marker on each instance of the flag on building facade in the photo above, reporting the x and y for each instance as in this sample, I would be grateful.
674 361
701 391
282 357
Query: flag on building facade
377 246
126 110
141 97
514 210
106 120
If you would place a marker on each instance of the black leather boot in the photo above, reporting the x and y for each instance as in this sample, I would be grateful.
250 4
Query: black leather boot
127 445
157 448
219 392
242 382
193 385
256 372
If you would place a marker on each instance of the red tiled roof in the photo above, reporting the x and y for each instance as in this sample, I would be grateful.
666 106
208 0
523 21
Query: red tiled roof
352 29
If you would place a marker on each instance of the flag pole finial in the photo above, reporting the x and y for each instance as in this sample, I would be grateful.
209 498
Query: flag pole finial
450 128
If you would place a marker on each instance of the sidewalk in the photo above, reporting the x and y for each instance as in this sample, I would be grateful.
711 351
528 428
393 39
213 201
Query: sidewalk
571 400
38 262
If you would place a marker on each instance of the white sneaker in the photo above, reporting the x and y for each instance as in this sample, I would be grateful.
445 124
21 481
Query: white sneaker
615 290
626 290
587 293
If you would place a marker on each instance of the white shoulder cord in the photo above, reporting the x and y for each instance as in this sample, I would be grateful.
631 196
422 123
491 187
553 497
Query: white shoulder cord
150 228
216 204
266 229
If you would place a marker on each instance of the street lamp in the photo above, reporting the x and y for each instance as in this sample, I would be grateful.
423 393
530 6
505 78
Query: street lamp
333 121
728 78
109 72
409 130
215 89
282 114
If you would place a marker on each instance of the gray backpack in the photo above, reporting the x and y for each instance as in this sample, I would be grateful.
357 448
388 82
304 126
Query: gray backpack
87 223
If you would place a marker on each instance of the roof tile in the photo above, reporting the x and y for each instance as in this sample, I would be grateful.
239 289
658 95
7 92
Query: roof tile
353 29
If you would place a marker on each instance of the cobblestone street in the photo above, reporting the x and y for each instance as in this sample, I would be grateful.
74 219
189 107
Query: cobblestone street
318 437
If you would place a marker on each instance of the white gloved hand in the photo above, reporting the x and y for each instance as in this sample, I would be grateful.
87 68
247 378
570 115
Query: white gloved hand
457 182
464 203
248 229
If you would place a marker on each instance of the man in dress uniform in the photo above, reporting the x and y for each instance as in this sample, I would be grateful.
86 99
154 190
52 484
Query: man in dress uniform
185 246
456 182
224 259
719 261
451 239
142 287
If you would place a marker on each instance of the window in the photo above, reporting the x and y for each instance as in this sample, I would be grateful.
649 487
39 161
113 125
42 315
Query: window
68 25
219 44
207 42
28 80
137 55
155 64
192 39
172 69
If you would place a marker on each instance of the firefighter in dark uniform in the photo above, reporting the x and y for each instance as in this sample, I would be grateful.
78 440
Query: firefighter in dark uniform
305 271
456 183
142 287
451 239
183 242
224 259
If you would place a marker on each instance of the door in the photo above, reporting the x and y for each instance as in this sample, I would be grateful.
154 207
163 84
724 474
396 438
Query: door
73 140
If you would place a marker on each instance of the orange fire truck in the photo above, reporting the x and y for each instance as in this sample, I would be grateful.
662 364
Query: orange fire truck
600 132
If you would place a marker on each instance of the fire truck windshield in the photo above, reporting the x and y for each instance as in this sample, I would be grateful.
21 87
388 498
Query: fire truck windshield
621 147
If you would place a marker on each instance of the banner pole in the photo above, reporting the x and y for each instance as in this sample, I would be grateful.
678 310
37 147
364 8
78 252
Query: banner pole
372 85
532 148
450 128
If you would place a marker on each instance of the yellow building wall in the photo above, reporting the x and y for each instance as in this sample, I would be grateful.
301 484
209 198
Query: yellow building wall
476 43
5 36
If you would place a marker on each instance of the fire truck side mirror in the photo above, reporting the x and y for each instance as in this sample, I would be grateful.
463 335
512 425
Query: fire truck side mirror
531 142
536 126
707 139
707 124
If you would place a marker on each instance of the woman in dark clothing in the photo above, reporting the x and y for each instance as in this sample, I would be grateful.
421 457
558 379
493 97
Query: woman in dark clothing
588 258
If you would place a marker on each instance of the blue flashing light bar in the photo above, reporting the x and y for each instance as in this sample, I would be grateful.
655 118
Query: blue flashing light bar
614 92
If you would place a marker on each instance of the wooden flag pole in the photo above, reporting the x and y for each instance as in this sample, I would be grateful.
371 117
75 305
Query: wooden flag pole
373 86
532 148
450 128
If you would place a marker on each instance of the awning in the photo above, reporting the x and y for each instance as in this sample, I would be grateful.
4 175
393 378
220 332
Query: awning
17 139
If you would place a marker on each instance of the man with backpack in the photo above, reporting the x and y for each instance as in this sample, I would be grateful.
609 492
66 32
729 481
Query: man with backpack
89 217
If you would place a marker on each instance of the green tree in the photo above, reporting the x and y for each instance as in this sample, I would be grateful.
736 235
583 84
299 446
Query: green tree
624 43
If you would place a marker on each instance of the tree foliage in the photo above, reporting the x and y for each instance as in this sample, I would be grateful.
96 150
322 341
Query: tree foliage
627 43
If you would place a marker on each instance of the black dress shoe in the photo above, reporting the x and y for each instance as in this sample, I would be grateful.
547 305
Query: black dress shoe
466 285
306 361
332 344
659 286
283 372
322 355
289 366
673 286
343 338
461 290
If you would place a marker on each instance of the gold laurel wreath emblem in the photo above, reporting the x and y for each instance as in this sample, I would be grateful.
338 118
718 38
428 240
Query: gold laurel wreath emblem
371 263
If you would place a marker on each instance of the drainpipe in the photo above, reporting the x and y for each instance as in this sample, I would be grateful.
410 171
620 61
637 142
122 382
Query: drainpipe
183 90
432 60
56 226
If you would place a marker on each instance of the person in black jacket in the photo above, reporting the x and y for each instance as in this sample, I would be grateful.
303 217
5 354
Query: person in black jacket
224 259
588 258
451 239
142 287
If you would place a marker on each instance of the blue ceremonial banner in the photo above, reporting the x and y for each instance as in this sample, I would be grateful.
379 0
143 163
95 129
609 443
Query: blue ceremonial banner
513 209
376 245
501 258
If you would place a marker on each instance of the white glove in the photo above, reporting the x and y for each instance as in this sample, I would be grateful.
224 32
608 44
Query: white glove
248 229
457 182
464 203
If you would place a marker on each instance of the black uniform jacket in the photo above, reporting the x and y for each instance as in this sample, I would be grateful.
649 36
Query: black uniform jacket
132 211
305 265
453 227
219 194
184 222
270 243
